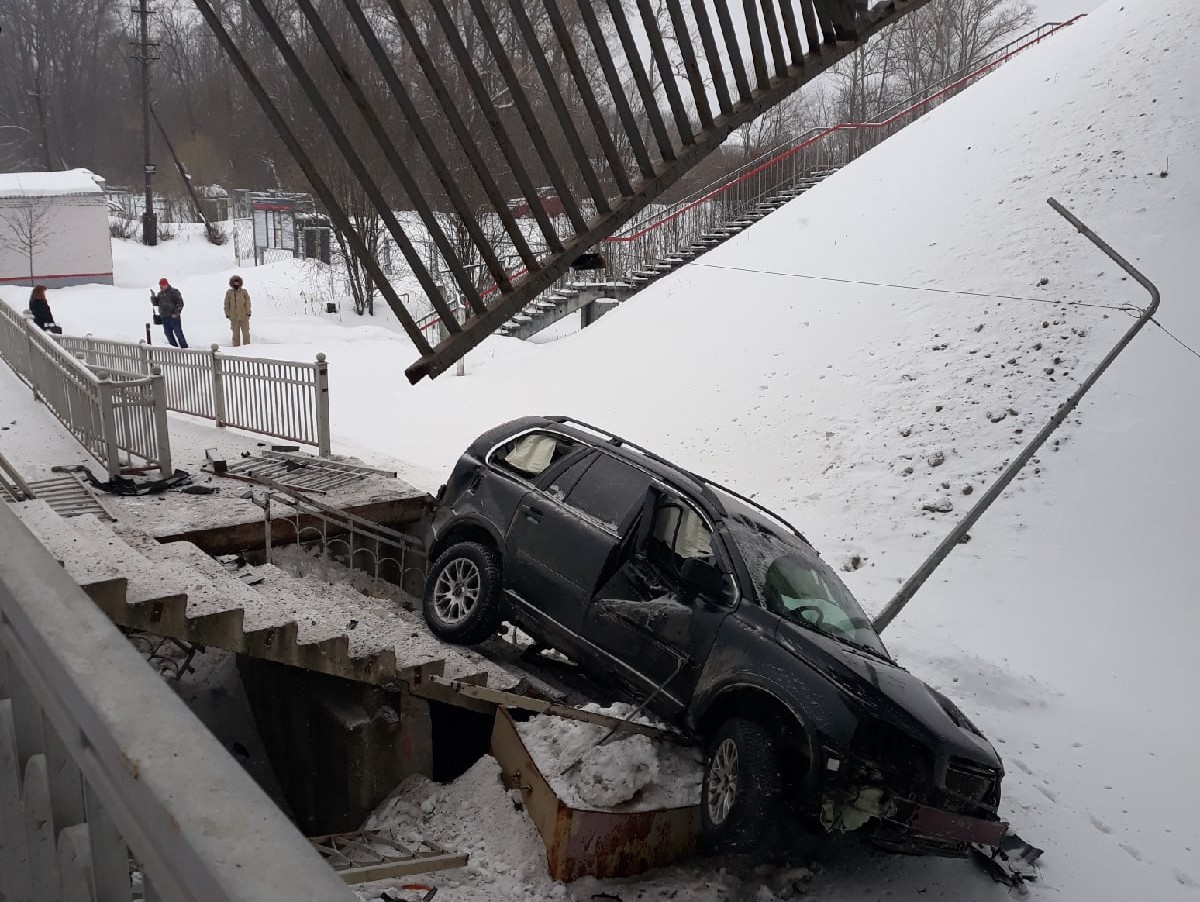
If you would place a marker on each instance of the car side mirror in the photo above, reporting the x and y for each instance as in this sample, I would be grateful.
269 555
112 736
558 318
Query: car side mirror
702 578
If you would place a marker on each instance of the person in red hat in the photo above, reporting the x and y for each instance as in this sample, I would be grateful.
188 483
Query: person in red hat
170 305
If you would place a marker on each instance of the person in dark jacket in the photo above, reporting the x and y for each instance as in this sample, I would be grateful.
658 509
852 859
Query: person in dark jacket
40 308
170 305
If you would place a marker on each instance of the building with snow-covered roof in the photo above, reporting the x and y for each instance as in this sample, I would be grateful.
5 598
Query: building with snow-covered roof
54 229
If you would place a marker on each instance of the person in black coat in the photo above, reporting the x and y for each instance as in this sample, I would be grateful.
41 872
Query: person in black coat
40 308
169 302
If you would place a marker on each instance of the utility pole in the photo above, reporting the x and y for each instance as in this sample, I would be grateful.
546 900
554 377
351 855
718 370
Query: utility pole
149 219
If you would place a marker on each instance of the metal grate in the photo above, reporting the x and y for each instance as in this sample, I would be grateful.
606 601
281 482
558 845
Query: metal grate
370 855
297 472
68 497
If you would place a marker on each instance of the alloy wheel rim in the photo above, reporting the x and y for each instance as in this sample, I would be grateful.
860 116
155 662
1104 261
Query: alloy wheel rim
722 781
457 590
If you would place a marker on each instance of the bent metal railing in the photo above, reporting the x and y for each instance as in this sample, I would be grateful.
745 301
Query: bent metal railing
606 103
281 398
103 769
109 413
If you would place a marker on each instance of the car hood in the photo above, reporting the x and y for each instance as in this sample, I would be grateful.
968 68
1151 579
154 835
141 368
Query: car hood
890 693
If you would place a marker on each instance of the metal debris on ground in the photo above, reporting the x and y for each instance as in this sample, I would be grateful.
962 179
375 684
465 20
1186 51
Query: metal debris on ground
295 471
1013 862
367 855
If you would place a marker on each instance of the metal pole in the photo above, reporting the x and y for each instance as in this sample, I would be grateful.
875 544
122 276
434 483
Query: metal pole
149 219
323 448
888 614
162 432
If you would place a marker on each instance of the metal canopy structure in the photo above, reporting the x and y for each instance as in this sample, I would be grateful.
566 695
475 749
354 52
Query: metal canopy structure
451 108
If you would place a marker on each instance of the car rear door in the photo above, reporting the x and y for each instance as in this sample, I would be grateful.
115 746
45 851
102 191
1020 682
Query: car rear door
642 616
565 535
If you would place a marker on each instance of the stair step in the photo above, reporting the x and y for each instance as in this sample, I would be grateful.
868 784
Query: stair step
97 559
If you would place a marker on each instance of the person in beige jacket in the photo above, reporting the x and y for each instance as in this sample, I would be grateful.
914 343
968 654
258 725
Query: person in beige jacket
237 311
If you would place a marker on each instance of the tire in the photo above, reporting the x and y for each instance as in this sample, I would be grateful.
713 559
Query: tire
741 798
462 602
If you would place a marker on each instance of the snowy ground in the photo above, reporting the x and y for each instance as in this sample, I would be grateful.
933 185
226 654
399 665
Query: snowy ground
851 407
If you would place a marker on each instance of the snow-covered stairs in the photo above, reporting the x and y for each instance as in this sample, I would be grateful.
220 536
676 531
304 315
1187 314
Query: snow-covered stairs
179 592
549 308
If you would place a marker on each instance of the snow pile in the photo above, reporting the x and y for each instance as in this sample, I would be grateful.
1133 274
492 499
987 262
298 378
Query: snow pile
476 815
630 772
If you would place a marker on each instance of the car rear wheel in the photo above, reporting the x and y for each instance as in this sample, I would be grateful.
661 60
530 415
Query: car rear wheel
743 785
462 601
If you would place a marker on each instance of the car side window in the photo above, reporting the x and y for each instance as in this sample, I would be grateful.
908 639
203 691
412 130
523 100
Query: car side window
561 483
533 453
609 491
682 532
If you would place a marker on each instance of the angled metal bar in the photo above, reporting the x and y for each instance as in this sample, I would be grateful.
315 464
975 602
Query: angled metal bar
691 64
319 186
716 64
537 134
357 166
811 29
658 53
775 37
758 54
466 284
735 51
482 171
666 148
617 91
432 153
707 140
956 535
586 170
492 116
587 95
793 33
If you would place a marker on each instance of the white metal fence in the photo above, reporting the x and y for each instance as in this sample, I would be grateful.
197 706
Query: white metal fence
104 771
281 398
109 412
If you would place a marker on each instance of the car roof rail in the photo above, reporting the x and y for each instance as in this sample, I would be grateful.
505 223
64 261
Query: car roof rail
620 442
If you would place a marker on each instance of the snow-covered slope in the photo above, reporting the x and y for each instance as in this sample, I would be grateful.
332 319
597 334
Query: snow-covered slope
1066 627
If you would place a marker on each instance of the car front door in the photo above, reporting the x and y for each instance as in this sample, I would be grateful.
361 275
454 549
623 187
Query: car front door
646 616
564 536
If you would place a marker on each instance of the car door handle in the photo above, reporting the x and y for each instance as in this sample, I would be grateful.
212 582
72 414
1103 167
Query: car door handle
533 514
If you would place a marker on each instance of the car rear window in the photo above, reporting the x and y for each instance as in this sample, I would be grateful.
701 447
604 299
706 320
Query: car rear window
609 491
533 453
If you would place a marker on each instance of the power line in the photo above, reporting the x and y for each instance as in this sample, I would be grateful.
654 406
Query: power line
926 288
1179 341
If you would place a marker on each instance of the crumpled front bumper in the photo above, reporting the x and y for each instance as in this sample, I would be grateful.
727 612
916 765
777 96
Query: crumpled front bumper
925 820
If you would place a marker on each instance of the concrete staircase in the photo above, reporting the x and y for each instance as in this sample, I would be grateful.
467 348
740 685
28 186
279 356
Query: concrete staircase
591 297
178 592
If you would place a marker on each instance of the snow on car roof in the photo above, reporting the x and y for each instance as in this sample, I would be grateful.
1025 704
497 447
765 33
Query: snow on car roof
50 184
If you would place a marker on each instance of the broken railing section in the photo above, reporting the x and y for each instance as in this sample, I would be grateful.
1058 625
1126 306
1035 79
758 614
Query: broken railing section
492 117
896 605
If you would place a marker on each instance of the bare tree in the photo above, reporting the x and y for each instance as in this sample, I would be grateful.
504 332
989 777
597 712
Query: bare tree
27 230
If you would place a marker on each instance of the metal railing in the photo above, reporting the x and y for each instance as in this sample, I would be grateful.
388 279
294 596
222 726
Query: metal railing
104 771
664 230
108 412
281 398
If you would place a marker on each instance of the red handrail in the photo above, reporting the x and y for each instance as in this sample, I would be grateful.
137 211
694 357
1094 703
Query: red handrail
434 318
841 126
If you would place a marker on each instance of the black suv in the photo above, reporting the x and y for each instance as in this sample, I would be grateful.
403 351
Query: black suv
723 616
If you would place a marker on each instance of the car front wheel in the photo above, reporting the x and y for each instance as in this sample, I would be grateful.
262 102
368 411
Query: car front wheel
743 785
462 601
